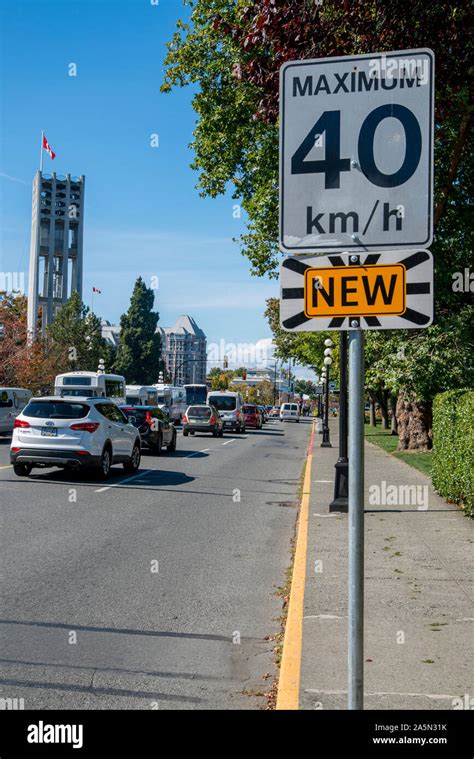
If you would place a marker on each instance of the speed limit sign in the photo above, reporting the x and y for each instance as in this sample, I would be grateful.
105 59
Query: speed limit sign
356 152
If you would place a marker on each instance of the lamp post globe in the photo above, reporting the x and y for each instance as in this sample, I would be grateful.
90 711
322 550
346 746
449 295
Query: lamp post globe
326 442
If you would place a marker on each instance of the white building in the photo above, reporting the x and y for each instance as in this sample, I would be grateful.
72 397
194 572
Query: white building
110 333
184 351
256 376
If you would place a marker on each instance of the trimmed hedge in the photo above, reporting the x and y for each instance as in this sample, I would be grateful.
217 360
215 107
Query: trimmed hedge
453 447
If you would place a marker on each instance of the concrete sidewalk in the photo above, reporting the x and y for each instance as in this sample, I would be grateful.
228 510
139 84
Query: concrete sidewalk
419 609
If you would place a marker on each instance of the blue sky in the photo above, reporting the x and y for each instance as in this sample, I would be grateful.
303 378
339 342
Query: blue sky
143 214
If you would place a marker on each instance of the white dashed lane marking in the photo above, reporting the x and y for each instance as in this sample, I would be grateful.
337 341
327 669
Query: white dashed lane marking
123 482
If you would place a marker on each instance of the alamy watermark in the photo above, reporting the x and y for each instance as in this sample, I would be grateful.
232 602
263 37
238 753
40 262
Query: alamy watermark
399 495
463 281
402 68
12 704
240 353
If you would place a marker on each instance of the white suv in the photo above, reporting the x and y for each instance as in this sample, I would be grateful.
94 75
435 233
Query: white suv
74 433
289 411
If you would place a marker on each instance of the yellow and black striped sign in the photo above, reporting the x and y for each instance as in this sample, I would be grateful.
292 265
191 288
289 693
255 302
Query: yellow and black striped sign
388 290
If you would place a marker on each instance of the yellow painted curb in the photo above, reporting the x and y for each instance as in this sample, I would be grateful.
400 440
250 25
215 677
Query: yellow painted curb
289 681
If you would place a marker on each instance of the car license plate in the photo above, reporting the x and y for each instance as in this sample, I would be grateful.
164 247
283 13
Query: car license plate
47 432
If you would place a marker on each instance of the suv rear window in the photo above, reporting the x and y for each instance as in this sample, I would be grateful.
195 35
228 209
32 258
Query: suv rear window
199 412
250 409
56 410
138 413
223 402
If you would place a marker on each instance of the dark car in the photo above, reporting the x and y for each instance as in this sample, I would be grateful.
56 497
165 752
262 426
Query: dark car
264 413
154 425
253 416
202 418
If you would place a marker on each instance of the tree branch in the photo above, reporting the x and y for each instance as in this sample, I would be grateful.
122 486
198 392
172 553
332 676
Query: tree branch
466 123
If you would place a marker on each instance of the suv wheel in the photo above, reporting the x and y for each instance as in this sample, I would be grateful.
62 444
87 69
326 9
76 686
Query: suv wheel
134 463
172 446
156 448
103 469
22 470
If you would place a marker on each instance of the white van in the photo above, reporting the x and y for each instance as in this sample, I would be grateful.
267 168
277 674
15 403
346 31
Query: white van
229 405
91 385
12 401
289 411
173 399
141 395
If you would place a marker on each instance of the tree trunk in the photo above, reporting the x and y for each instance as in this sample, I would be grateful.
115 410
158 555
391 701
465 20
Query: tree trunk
373 419
393 409
414 420
384 408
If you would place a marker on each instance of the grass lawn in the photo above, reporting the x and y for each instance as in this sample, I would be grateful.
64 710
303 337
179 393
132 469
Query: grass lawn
389 443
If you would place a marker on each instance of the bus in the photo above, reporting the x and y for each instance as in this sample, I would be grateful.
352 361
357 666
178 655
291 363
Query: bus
196 394
173 399
141 395
91 385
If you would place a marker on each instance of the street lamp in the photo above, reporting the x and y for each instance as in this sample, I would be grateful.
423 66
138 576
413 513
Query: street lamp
320 395
326 442
340 502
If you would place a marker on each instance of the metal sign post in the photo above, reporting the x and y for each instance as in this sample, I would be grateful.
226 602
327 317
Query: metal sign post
356 521
356 188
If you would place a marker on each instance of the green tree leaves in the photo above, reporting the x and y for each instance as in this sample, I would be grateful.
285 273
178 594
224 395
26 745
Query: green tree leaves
75 335
139 350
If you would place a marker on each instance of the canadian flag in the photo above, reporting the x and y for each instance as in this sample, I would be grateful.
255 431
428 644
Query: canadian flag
47 147
95 290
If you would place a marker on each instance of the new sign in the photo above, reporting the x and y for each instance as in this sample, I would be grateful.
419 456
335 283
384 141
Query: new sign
356 152
389 290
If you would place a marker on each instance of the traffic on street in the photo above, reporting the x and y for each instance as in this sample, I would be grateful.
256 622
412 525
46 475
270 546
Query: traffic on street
236 376
152 590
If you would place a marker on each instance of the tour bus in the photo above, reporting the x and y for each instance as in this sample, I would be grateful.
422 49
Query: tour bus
91 385
12 401
173 399
195 394
141 395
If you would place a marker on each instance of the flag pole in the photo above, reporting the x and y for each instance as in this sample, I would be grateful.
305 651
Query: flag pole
41 153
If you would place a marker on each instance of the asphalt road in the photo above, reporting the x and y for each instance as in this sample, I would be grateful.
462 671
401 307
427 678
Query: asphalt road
88 623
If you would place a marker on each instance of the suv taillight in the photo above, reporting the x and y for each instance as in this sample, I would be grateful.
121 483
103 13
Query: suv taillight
213 419
185 419
21 424
86 426
148 418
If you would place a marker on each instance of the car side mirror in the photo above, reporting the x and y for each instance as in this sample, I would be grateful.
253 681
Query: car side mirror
132 419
